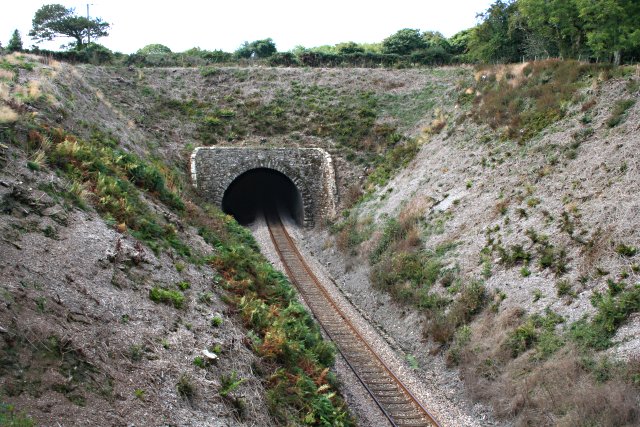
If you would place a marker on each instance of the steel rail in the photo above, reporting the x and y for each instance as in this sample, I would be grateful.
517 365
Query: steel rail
398 420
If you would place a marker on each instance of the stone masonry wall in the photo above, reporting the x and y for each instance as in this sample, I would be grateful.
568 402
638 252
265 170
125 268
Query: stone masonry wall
213 169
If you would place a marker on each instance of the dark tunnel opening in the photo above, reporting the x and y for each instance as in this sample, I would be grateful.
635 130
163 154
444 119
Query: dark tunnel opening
259 190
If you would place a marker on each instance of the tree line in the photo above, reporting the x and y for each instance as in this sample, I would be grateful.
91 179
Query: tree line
508 31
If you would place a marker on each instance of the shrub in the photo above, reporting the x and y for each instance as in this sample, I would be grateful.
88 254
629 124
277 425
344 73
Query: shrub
166 296
613 308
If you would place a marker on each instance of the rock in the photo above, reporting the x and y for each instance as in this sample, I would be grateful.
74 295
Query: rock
209 356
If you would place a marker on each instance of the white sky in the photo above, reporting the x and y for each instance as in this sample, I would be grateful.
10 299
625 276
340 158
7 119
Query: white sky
225 24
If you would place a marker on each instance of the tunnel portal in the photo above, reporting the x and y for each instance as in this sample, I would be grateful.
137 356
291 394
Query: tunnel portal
241 180
260 190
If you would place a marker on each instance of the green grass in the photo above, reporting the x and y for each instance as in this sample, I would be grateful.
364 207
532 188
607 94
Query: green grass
10 417
409 108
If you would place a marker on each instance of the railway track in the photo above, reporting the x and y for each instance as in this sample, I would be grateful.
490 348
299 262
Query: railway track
397 403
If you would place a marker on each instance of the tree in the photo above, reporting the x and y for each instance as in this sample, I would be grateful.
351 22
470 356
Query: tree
555 27
435 39
403 42
257 49
459 42
154 49
612 26
15 44
500 36
54 20
349 48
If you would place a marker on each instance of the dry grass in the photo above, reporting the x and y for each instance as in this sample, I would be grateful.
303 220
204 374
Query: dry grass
33 89
4 91
595 249
7 115
7 75
563 390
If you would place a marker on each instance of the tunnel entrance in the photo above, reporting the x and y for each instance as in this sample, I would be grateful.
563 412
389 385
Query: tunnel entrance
259 190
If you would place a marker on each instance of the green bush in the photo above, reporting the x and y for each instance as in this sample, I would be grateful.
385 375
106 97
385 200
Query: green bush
166 296
613 308
627 251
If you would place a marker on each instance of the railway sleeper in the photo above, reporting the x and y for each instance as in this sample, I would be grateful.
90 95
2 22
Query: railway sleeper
382 380
394 400
379 387
415 415
414 424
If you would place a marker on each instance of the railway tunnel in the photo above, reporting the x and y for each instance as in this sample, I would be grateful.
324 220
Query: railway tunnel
259 191
242 181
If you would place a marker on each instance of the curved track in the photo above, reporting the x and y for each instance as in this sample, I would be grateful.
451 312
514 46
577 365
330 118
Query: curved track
397 403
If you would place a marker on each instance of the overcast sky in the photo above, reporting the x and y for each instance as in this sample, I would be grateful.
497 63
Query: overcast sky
226 24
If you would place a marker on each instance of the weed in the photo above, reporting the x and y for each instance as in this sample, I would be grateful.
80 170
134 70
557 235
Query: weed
532 202
412 361
139 393
553 258
136 352
33 166
50 232
229 383
582 134
626 251
185 387
9 417
205 298
200 362
613 308
619 112
486 269
461 338
216 321
563 288
183 285
41 304
525 272
442 326
534 101
166 296
180 266
537 294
